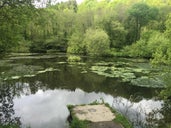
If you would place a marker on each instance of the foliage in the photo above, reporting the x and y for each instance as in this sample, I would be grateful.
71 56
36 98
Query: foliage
120 118
14 16
96 42
166 93
76 123
75 44
123 120
138 49
168 27
70 5
142 14
15 3
151 44
117 35
63 27
73 58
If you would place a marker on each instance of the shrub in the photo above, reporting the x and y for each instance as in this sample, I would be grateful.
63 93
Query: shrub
152 45
96 42
73 58
75 44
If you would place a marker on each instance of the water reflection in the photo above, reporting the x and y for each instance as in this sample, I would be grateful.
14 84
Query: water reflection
48 108
40 99
142 113
6 106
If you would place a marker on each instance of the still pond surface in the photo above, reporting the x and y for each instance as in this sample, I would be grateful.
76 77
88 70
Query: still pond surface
36 89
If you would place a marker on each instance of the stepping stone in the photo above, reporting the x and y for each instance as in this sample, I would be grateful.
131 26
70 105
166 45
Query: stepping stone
93 113
100 116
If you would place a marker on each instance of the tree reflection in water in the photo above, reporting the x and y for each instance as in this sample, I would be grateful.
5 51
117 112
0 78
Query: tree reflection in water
6 105
143 113
165 122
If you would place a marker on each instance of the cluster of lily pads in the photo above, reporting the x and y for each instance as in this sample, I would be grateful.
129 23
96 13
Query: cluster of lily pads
127 73
20 71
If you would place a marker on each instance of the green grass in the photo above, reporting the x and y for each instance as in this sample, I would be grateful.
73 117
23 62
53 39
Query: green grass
123 120
120 118
76 123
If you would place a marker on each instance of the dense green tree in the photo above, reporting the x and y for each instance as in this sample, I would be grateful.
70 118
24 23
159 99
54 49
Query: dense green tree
151 45
168 27
117 35
88 5
141 14
62 27
96 42
13 22
15 3
70 4
75 44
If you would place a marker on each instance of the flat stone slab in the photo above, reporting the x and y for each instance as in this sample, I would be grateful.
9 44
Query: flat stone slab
94 113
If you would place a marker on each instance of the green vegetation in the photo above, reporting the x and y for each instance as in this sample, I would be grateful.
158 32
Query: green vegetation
76 123
96 42
9 126
120 118
74 58
20 71
166 93
99 28
110 28
137 76
123 120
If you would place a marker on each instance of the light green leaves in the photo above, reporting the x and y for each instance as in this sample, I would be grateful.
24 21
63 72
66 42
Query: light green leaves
96 41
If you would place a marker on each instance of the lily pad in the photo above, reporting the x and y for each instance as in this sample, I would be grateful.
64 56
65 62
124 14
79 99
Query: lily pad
145 81
123 73
24 71
32 56
47 70
29 75
61 62
15 77
135 75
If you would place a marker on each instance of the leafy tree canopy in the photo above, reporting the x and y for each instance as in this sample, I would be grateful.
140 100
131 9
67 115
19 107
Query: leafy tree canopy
15 3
